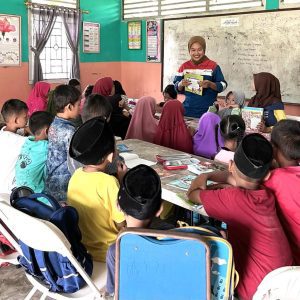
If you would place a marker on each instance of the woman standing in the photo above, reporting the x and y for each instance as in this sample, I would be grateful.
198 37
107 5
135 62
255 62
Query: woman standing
196 104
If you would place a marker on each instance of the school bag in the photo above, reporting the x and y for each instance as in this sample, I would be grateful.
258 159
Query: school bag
223 276
51 267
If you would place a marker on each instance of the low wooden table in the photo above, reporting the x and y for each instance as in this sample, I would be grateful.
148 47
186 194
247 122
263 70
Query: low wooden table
149 151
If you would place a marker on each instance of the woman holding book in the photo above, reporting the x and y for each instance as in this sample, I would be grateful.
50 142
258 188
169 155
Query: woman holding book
199 78
268 97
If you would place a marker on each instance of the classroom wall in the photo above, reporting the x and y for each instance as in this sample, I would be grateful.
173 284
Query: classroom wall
129 66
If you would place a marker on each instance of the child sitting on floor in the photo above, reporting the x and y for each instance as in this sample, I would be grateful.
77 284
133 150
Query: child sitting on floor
92 191
66 100
285 180
142 205
31 164
232 130
258 241
14 113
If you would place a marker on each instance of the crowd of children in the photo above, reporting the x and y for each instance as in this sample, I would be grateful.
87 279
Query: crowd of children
80 165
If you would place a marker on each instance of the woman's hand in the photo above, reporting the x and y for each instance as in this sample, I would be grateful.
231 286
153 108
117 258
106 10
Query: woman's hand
205 84
183 83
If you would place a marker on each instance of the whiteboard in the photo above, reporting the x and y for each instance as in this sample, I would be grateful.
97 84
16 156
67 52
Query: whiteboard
241 44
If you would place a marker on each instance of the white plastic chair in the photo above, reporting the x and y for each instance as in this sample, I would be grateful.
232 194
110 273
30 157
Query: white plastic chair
13 257
45 236
280 284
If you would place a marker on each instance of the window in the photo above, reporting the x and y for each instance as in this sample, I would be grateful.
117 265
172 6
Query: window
63 3
133 9
56 56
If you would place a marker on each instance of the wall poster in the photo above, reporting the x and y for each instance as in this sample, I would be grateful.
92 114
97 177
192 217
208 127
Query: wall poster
10 40
135 35
153 41
91 37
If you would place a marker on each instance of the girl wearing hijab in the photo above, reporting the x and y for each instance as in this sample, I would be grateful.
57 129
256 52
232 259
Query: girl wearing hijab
143 125
172 131
213 80
268 96
234 102
207 139
119 121
37 100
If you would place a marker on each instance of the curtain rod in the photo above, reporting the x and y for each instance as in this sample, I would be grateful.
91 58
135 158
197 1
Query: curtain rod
30 5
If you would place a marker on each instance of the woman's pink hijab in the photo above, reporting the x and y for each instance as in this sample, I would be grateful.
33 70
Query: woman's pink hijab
38 97
143 125
103 86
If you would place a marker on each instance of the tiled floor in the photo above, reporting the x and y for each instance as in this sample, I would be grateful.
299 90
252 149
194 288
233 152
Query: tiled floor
14 284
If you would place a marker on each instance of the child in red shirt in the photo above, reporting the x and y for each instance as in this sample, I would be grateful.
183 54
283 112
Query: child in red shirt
285 180
254 231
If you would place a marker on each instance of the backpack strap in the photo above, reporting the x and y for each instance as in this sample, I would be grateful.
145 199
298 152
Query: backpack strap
47 270
28 261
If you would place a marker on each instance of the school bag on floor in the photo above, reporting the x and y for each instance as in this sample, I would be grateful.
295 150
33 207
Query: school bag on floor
50 267
223 276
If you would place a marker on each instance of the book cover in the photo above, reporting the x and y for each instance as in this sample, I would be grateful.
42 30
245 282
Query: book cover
194 86
182 183
252 117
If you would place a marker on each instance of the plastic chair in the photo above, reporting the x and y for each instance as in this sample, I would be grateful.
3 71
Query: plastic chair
45 236
282 283
155 264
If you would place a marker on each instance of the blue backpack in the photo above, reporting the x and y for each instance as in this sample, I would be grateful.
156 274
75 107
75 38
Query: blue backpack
50 267
223 276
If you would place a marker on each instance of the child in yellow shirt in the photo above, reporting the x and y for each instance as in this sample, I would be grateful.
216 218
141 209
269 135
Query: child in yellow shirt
93 192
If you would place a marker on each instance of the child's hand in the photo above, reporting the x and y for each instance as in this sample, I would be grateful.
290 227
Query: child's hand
121 170
198 183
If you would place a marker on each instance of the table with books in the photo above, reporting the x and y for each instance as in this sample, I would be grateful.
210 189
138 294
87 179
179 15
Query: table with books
175 168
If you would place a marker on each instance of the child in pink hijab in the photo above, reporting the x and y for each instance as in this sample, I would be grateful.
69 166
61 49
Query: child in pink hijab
143 125
37 100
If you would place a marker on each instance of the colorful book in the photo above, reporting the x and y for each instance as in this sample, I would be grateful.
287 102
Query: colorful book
184 182
194 86
252 117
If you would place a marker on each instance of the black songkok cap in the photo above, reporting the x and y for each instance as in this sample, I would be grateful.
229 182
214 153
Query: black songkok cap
253 156
140 193
92 142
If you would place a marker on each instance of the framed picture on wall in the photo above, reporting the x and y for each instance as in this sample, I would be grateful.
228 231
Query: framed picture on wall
10 40
153 40
134 35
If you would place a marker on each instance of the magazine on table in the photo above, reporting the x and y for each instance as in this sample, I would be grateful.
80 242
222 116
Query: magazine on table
184 182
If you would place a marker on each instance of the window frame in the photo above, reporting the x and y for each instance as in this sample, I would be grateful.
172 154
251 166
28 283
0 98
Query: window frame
30 39
208 11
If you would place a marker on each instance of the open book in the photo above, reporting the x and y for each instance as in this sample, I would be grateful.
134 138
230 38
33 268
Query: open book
184 183
194 86
132 160
252 117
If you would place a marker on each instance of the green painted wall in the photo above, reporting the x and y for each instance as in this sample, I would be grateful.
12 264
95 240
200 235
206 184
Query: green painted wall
272 4
132 55
108 14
